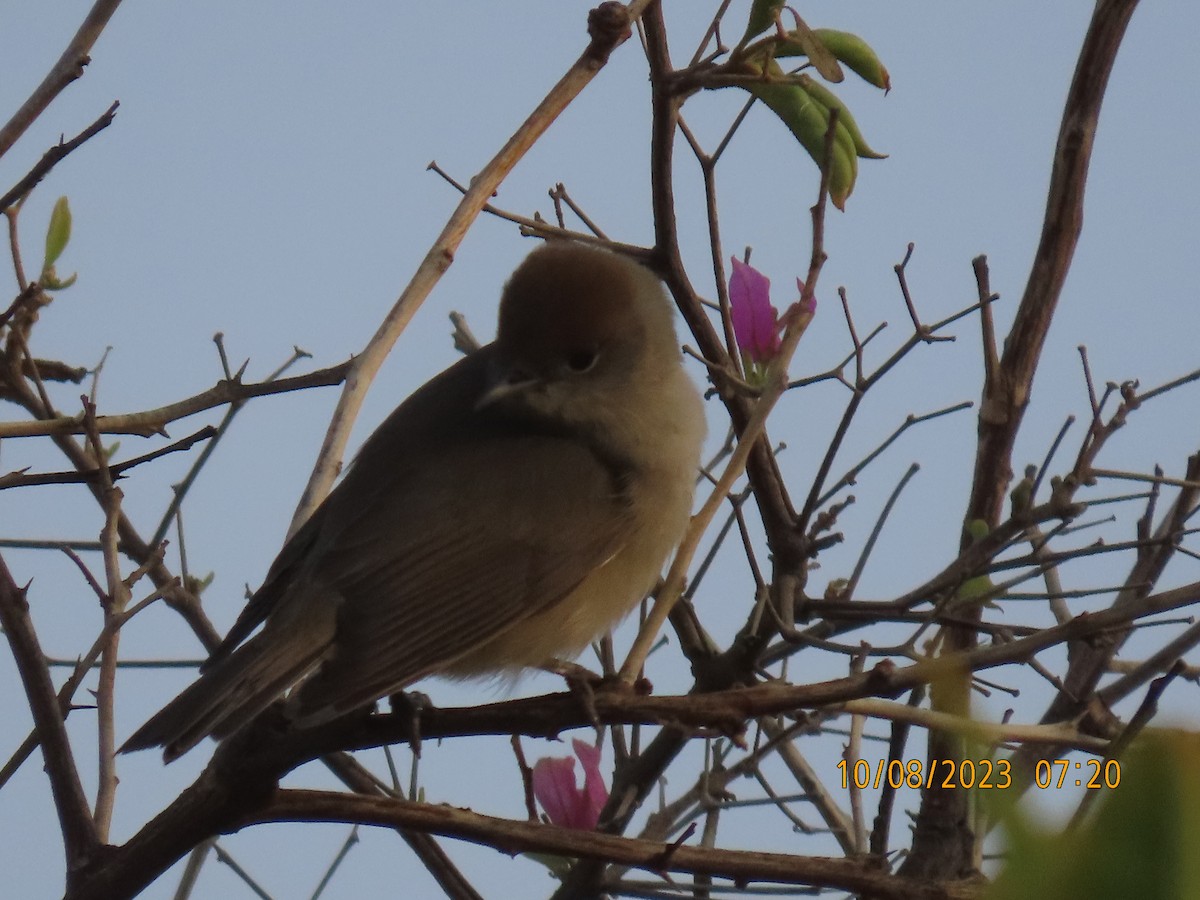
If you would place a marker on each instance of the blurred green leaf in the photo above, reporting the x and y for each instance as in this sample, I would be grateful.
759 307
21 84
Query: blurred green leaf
978 529
58 233
196 585
762 16
1142 842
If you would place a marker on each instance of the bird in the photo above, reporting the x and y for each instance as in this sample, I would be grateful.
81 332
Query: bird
509 512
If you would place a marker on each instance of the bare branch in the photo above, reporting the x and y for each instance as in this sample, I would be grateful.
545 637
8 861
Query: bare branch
154 421
67 69
80 839
53 157
740 865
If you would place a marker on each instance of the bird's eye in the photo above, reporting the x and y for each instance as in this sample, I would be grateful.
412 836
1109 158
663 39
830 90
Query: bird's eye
582 360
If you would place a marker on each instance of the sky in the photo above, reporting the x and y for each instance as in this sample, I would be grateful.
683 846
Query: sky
266 178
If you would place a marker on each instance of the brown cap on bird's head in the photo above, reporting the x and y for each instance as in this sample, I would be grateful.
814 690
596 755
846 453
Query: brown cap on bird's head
569 307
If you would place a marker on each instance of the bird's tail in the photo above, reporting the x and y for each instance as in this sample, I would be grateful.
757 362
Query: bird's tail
228 695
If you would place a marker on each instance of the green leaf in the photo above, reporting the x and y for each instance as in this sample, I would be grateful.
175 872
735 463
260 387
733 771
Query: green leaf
818 54
1022 495
762 16
978 529
980 586
976 589
808 121
1141 842
196 585
856 54
845 47
830 100
58 233
51 282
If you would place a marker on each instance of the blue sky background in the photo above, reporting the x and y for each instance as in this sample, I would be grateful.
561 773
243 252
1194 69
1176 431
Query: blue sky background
265 178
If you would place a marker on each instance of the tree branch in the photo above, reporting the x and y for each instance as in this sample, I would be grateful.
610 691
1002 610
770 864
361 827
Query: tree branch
80 840
511 836
53 157
68 68
942 840
154 421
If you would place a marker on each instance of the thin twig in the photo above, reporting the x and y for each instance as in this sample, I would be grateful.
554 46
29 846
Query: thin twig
183 487
559 195
851 476
116 470
223 856
343 851
68 68
191 870
153 421
53 157
80 667
114 609
877 529
526 778
1145 712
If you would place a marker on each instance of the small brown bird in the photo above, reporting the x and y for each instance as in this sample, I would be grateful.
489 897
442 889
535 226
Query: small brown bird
507 513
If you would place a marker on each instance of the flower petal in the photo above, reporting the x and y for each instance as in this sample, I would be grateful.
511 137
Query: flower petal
554 787
754 318
595 794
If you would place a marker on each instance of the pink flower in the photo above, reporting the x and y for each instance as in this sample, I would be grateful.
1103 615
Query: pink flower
564 802
755 320
757 325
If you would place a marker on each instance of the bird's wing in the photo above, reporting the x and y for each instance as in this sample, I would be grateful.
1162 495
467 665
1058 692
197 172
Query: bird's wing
283 573
468 554
436 415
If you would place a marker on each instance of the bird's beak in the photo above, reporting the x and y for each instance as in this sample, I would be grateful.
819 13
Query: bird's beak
508 384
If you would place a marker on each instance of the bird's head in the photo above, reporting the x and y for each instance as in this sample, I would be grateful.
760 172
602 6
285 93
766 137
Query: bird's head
580 330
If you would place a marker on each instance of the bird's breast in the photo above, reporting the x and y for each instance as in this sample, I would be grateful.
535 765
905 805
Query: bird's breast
604 596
